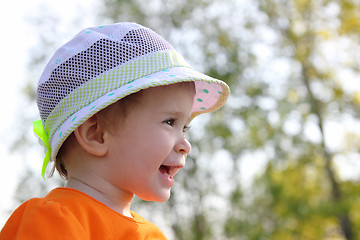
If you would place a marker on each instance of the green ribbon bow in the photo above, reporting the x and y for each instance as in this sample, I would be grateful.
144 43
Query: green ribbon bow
41 133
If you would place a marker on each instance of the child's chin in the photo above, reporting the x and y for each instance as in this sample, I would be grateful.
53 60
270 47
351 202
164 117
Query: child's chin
158 198
164 199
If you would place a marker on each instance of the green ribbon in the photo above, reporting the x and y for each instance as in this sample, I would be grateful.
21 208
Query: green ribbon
42 134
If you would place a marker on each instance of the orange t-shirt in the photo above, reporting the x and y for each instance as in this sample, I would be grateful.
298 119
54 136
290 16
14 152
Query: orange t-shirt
66 213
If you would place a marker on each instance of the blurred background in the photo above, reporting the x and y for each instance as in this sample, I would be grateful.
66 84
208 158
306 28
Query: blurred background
280 161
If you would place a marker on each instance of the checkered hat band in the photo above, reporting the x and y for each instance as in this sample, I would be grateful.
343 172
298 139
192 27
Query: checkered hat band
103 55
108 81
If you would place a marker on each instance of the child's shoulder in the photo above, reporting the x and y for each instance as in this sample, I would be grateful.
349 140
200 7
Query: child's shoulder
59 212
74 215
44 219
52 204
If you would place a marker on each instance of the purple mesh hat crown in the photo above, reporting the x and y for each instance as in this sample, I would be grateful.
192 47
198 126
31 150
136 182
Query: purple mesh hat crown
101 65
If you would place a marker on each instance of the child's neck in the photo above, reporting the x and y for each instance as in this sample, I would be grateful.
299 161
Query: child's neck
110 196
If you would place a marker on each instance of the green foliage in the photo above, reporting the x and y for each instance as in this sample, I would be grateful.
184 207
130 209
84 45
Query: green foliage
350 17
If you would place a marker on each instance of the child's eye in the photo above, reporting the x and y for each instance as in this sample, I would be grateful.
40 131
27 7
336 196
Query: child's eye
170 122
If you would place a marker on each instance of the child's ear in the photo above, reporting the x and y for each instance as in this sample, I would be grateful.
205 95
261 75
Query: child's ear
90 136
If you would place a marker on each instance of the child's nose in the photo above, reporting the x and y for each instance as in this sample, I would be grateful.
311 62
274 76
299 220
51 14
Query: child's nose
183 146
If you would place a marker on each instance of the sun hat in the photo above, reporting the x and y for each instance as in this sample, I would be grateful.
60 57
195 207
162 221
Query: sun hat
101 65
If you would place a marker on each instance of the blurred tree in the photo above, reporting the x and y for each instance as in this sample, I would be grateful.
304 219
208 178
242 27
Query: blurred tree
300 194
287 89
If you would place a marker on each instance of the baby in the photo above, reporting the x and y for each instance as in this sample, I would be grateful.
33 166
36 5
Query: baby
115 103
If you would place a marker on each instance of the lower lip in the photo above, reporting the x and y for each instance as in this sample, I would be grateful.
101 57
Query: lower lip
169 181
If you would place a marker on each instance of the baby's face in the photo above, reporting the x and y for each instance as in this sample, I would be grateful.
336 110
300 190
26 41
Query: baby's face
150 147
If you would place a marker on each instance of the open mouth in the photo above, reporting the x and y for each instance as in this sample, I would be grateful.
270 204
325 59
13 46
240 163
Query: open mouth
169 171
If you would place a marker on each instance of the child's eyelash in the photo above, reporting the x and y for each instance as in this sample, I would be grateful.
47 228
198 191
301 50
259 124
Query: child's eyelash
186 128
171 122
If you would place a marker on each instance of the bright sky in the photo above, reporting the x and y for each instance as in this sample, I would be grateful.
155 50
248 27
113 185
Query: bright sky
16 40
